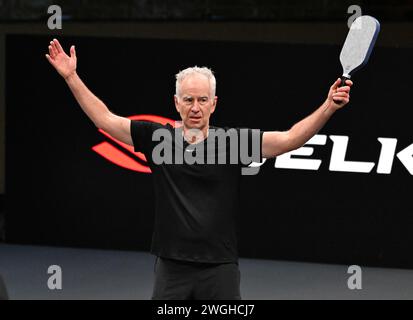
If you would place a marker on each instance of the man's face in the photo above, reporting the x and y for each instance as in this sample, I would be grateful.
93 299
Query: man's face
195 103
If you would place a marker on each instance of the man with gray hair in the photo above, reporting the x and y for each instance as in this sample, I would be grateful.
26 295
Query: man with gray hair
195 238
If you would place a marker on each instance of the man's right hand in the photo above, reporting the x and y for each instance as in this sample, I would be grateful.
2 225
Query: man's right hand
65 65
118 127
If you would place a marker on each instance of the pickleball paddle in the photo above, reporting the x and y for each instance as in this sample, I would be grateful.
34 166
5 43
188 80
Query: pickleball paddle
358 45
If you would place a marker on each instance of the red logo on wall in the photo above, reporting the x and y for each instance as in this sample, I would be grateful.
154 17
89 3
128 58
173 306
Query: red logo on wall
124 155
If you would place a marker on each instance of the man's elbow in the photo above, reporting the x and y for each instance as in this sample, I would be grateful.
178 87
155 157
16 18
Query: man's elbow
292 141
281 144
104 122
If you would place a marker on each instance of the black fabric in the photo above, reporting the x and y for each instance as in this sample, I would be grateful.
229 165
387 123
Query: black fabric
183 280
196 204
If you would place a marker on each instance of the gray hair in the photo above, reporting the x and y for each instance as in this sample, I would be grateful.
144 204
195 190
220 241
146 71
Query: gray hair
181 75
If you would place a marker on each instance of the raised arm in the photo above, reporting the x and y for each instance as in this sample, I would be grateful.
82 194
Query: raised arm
96 110
275 143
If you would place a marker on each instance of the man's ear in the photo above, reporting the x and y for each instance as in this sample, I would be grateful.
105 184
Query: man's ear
176 104
214 104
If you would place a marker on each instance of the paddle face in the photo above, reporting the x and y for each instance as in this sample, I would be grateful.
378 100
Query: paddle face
359 44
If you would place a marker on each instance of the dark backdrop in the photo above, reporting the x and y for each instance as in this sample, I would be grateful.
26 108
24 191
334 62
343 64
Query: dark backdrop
60 192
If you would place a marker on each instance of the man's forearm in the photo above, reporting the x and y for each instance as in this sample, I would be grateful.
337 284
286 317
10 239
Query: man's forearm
304 130
95 109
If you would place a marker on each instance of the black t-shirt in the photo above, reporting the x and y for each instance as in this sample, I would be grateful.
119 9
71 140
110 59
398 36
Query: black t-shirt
196 204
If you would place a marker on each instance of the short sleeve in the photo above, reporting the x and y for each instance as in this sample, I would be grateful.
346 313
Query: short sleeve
141 133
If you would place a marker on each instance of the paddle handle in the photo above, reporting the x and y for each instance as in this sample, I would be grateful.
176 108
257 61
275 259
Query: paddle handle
342 84
343 81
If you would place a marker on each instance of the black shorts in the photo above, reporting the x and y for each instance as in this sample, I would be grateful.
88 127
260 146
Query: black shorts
185 280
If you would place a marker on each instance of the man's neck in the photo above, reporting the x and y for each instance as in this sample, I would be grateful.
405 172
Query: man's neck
193 136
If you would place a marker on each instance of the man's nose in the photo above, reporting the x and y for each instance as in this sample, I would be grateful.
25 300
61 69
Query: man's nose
195 107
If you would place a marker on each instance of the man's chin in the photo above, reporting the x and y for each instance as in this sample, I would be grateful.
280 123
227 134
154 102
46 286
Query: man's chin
194 124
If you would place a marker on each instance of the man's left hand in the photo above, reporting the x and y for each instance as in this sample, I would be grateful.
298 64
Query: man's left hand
338 97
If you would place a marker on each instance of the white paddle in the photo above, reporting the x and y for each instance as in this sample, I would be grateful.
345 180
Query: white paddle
358 45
